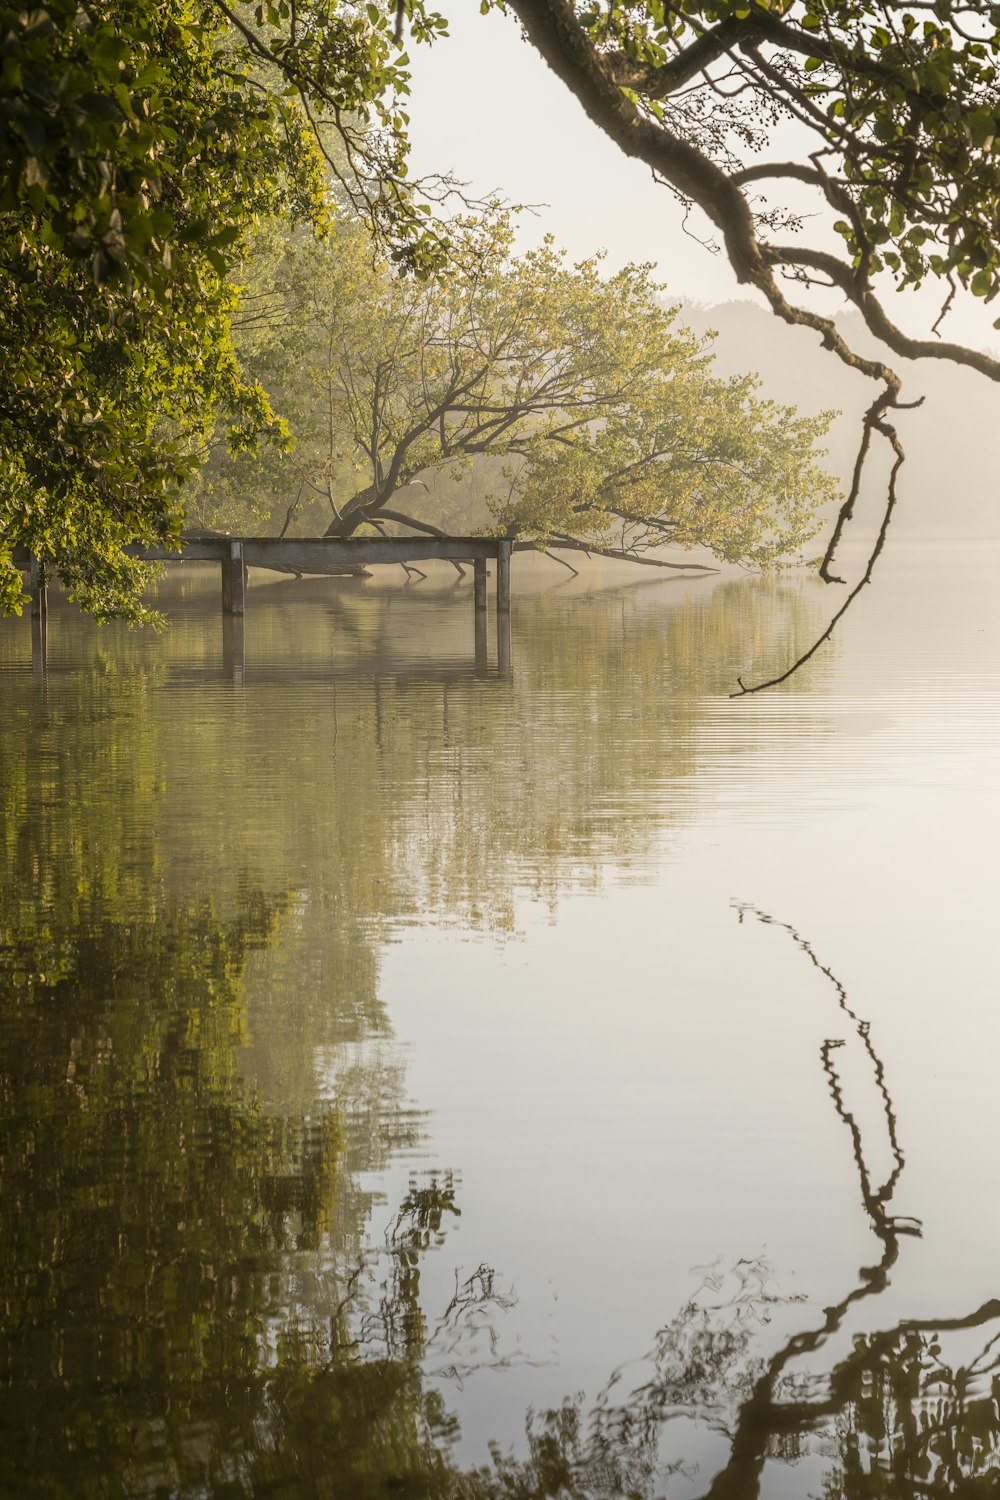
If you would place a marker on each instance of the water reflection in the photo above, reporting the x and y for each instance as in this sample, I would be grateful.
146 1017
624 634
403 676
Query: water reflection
187 1277
192 1304
911 1410
208 1287
364 761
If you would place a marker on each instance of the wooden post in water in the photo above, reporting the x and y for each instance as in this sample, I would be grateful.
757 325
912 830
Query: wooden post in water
38 589
504 667
233 648
233 579
39 644
482 646
39 615
479 567
503 573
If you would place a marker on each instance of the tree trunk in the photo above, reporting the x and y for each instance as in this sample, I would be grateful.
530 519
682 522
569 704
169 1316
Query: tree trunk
355 513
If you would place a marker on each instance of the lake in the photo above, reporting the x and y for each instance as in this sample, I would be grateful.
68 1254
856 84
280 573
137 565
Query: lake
418 1080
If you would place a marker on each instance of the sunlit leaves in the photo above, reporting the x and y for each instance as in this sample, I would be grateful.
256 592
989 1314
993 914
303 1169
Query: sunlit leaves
140 145
597 414
896 111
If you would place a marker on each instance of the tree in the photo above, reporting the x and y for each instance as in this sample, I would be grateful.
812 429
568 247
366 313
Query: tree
895 111
590 417
140 145
901 102
140 142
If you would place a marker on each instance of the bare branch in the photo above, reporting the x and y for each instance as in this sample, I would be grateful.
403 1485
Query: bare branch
878 425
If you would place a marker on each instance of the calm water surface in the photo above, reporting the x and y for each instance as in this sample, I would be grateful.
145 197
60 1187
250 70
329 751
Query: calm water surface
417 1081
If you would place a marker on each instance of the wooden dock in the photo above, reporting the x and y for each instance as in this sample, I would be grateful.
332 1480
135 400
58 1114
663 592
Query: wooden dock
318 556
325 554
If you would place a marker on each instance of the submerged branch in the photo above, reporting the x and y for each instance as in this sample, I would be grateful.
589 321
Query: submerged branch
568 543
550 552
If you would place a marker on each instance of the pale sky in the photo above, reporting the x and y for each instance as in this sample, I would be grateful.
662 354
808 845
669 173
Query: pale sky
487 108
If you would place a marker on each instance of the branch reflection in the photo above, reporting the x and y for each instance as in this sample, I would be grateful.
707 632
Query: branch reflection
910 1411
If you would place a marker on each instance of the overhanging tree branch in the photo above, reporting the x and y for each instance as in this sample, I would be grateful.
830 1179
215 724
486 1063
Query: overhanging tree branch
909 116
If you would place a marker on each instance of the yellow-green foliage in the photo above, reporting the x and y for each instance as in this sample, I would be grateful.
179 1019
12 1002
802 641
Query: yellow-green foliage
140 144
556 401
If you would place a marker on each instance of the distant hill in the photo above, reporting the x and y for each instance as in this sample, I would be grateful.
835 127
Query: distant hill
950 485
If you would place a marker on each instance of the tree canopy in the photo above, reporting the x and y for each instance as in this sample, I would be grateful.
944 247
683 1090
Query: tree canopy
897 109
583 413
140 144
838 144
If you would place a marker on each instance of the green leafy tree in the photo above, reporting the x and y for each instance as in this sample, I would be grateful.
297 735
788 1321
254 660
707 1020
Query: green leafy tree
588 416
901 102
844 144
140 144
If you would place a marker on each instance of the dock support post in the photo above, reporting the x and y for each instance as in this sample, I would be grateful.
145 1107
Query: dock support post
479 567
504 547
39 615
504 668
233 648
482 644
38 589
233 579
39 644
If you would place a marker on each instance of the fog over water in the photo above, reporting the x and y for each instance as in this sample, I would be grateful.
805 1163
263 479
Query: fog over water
463 1063
391 1049
949 483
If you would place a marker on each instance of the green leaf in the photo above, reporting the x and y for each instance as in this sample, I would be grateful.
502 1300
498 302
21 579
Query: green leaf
29 127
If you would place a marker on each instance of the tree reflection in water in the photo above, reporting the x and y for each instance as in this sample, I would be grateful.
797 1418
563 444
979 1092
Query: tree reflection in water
190 1307
191 1301
910 1411
194 1296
